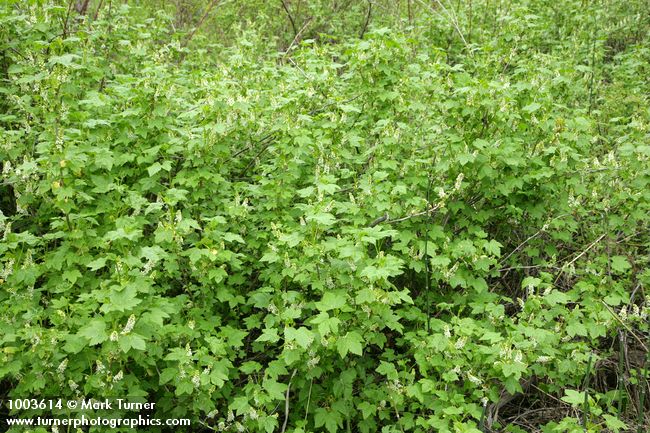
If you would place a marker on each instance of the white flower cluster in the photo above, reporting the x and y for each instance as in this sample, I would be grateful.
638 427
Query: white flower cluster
396 386
8 269
4 225
196 380
271 308
632 312
459 181
573 201
119 376
148 267
290 345
474 379
448 273
313 362
62 366
130 323
521 303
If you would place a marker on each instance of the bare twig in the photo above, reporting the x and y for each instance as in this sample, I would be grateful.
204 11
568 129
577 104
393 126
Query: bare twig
293 23
67 18
308 399
415 215
82 6
379 220
365 25
618 319
99 6
516 268
270 135
257 155
187 40
297 37
522 244
207 426
385 219
450 17
286 403
589 247
324 107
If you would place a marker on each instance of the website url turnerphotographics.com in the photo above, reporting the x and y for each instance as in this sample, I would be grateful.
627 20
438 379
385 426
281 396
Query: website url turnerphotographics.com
86 420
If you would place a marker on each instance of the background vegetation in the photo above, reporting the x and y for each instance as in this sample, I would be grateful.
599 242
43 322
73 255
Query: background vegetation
358 216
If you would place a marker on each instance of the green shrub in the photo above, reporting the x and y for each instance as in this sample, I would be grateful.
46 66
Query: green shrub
403 229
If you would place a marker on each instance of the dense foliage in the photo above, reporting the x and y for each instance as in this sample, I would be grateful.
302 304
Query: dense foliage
305 216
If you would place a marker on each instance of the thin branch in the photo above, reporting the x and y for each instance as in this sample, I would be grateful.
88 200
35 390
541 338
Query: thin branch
308 399
387 220
82 7
99 6
451 19
515 268
293 23
615 316
270 135
187 40
67 18
426 258
207 426
379 220
324 107
543 229
286 403
522 244
297 37
365 25
580 255
18 52
257 155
